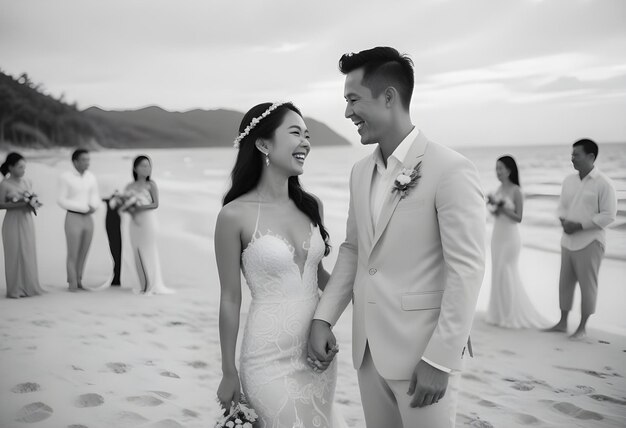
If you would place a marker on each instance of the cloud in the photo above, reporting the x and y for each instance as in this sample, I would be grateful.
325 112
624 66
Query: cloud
282 48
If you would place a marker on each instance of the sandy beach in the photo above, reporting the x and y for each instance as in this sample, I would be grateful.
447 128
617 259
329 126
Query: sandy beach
111 358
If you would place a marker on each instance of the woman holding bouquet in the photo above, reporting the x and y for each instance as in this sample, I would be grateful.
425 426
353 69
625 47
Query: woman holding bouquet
272 230
18 229
140 199
509 305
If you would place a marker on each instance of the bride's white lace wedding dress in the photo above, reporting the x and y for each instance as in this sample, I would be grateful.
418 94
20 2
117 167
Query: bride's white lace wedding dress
509 305
275 376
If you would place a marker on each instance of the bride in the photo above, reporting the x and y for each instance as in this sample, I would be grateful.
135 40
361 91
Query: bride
509 305
272 230
141 198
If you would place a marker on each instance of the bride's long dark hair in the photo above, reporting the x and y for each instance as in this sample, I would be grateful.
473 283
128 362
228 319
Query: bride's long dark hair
248 167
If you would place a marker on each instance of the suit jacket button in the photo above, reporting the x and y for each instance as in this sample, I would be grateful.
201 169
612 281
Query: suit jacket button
373 271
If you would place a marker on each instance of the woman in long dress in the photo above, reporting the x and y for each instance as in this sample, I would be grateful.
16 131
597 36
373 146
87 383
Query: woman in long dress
272 230
18 229
509 305
141 201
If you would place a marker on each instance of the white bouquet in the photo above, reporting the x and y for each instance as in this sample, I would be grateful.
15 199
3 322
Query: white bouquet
239 416
31 199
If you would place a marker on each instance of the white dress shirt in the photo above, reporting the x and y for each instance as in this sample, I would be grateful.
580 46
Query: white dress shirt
591 202
78 192
382 185
384 176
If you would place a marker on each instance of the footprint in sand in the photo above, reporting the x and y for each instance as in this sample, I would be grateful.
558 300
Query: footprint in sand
89 400
602 397
43 323
586 389
520 385
118 368
471 376
164 394
78 369
487 403
191 414
128 419
77 426
169 374
175 323
523 386
198 364
576 412
525 419
166 423
25 387
34 412
145 401
474 422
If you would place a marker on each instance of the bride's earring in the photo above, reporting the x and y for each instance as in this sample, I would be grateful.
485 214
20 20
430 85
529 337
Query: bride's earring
267 159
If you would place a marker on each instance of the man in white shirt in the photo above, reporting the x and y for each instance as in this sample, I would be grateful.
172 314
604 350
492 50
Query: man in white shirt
78 195
588 204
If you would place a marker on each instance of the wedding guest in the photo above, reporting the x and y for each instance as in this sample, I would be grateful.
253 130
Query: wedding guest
588 204
140 200
114 236
509 305
18 229
78 195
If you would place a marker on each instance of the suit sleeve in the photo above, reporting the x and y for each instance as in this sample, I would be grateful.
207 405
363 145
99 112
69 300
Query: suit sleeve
460 208
338 291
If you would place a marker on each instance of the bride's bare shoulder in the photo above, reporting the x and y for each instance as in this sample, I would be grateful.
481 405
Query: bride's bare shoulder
238 210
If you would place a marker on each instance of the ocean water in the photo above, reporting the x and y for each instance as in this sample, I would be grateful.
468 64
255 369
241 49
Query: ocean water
542 170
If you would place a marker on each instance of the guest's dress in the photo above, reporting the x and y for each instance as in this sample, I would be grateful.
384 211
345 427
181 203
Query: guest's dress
143 230
509 305
18 238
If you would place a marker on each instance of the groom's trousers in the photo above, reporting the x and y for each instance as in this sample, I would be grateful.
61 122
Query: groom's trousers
387 404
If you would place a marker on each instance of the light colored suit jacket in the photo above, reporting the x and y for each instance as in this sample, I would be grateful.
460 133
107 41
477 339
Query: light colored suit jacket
414 278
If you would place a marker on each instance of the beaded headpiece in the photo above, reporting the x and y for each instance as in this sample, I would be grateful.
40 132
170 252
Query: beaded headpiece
254 122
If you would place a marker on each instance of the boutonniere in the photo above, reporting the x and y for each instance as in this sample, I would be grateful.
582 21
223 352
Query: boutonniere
407 179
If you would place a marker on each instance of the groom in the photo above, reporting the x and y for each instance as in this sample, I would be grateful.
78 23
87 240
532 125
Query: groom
413 259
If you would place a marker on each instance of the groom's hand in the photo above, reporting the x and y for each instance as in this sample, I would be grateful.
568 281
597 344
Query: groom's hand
322 345
428 385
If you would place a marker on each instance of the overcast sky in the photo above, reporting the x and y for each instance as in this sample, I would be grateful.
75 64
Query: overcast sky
487 71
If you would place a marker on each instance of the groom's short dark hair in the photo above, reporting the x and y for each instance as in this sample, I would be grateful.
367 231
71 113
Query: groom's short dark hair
382 67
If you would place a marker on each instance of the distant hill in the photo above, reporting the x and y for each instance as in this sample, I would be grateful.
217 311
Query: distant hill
156 127
31 118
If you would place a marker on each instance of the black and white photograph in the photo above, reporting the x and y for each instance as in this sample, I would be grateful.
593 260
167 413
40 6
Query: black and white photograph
278 214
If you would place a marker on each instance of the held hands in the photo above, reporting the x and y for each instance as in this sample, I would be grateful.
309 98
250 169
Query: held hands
322 346
229 391
428 385
570 227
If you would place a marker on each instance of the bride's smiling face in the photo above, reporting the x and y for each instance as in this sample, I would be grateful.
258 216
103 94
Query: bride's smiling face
290 145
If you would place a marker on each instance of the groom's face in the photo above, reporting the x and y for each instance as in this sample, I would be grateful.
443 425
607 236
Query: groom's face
368 113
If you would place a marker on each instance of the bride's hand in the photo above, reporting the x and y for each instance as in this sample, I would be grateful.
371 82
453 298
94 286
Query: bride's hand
229 391
322 346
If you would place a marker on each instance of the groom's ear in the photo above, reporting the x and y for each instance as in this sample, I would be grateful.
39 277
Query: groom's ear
391 96
262 146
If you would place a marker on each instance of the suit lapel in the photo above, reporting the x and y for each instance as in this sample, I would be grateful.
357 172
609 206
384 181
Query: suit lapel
413 157
363 207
